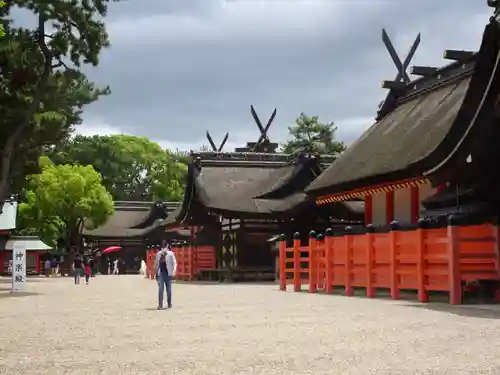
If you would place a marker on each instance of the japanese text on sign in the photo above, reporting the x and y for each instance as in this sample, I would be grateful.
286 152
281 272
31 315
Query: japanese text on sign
18 268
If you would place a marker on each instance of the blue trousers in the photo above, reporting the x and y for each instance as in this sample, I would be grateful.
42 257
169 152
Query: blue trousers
164 281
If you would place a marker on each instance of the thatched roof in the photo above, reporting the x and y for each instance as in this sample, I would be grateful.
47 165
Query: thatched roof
246 185
133 219
431 119
224 185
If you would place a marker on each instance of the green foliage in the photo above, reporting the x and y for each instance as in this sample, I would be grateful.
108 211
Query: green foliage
309 134
3 4
132 168
42 89
62 199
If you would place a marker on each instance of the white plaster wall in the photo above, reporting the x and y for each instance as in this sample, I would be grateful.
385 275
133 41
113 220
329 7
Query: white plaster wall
379 209
402 205
424 191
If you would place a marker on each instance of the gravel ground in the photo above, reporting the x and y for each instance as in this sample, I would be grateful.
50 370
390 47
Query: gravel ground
112 327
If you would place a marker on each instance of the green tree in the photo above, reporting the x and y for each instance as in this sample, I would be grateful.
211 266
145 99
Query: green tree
309 134
132 168
42 89
59 202
3 4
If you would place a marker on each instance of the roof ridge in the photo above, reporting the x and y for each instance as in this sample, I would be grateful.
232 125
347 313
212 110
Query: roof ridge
252 156
437 82
442 76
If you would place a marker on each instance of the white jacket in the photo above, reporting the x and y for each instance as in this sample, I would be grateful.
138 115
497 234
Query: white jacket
171 262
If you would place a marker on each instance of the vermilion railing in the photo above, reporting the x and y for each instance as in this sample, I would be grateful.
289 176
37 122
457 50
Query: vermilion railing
423 259
190 261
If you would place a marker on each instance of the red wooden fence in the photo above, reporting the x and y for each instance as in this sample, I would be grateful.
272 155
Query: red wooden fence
424 260
190 261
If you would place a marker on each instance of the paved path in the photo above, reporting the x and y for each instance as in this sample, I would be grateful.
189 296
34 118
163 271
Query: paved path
112 327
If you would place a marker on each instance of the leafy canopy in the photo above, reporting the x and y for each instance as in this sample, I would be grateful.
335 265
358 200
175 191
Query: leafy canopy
311 135
62 199
132 168
42 89
3 4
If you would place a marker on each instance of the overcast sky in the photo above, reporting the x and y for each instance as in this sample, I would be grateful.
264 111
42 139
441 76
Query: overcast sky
180 67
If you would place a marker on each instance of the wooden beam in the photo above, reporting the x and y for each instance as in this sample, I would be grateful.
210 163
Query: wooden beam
454 55
424 71
393 85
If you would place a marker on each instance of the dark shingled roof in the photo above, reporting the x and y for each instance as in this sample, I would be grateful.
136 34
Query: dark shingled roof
429 119
133 219
249 184
232 186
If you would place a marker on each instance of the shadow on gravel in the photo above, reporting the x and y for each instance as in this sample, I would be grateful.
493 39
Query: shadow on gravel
475 311
8 280
16 295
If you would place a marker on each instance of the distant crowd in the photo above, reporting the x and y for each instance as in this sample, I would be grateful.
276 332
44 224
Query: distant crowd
82 266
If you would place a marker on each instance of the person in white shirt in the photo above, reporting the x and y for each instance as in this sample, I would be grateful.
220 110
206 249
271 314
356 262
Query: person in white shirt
166 266
116 270
142 269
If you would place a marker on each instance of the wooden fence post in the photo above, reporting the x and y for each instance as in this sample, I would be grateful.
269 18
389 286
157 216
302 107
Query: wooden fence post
421 262
455 282
394 266
193 267
313 267
370 257
329 260
318 262
348 261
153 263
282 261
296 263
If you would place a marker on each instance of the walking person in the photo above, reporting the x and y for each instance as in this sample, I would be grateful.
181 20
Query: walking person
116 270
166 266
47 268
87 270
92 265
77 269
53 266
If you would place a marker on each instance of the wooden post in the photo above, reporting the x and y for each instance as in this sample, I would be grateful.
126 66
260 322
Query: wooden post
296 263
313 267
421 263
329 260
393 243
193 269
348 261
282 262
318 262
455 282
370 290
496 236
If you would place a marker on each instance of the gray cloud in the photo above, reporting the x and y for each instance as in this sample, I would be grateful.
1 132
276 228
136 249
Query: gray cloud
178 68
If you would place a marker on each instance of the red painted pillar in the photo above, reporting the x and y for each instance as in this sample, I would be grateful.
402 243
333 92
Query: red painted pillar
389 207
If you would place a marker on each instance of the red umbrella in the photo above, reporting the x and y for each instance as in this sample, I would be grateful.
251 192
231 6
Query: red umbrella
111 249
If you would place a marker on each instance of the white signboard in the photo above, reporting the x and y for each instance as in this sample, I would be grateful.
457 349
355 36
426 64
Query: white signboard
18 267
